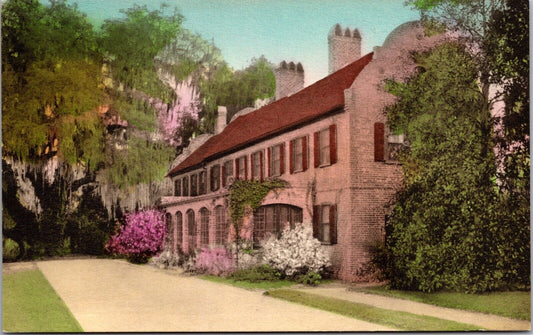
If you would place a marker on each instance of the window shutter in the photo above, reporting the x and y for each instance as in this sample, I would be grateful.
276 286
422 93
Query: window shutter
245 167
223 175
333 224
269 162
237 168
261 166
304 153
332 144
316 150
291 157
316 219
379 142
282 158
252 166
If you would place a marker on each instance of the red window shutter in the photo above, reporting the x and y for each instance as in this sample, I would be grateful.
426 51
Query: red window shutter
291 157
316 223
332 144
237 168
379 142
261 166
304 153
333 224
252 165
282 158
223 175
245 167
269 162
316 150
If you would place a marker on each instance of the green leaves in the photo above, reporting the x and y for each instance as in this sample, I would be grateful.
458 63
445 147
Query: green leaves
447 229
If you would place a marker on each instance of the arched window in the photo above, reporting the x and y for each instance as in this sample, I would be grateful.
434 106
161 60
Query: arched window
204 227
179 228
272 219
191 227
169 239
221 225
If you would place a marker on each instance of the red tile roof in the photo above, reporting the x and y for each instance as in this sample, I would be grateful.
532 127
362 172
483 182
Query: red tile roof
310 103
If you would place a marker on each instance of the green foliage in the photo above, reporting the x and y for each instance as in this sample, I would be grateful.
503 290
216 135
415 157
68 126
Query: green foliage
256 274
132 58
10 250
142 161
138 113
445 231
310 278
251 193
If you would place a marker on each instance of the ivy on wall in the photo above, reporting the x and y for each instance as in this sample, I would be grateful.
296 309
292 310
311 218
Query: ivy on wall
250 192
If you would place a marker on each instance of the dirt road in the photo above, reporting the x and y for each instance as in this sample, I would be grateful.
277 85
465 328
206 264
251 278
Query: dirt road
115 296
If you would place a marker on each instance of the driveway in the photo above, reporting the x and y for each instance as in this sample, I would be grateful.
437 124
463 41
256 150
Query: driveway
107 295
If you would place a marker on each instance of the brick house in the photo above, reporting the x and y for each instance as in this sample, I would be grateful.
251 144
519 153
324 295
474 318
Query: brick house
328 141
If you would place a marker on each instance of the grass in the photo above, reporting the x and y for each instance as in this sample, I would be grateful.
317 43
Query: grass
515 304
394 319
30 304
263 285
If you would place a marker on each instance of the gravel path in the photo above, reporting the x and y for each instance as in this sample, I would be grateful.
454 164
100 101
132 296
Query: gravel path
115 296
486 321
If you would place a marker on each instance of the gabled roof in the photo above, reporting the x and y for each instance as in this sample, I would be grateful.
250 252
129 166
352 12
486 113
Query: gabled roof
312 102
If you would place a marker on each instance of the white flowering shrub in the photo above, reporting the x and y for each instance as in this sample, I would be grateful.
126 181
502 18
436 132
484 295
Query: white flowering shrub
296 252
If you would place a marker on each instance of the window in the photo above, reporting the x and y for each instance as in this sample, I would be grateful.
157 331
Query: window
185 185
257 165
194 185
227 173
241 167
272 219
325 223
379 142
215 178
221 225
202 184
179 228
191 227
276 160
169 240
204 227
325 147
177 188
298 155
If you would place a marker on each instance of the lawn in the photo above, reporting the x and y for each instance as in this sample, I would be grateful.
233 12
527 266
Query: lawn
262 285
394 319
515 304
30 304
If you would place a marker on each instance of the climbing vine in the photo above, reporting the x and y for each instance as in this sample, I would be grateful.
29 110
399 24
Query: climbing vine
250 192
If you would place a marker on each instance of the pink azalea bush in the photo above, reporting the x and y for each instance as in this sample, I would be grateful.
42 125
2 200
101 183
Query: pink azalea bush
215 261
141 237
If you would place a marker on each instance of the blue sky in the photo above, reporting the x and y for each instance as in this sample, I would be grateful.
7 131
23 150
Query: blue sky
292 30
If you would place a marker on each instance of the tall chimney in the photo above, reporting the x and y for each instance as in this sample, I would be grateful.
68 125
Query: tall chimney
221 121
289 79
344 47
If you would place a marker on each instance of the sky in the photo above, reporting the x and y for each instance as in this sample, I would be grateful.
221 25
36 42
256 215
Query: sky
290 30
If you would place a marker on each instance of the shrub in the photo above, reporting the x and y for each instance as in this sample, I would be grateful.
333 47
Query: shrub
296 252
10 250
310 278
257 274
214 261
141 237
167 259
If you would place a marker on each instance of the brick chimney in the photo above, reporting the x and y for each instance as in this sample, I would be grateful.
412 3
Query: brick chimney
289 79
344 47
221 120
